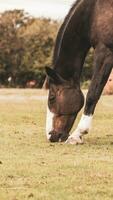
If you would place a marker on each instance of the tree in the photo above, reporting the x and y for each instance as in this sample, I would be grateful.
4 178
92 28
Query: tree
39 37
11 46
26 48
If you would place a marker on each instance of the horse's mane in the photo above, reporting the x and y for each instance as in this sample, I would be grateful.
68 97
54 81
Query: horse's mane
62 31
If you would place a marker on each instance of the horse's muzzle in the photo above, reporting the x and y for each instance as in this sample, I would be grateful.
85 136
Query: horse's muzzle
58 137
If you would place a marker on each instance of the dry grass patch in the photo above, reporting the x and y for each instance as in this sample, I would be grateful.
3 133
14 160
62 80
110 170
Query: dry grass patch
32 168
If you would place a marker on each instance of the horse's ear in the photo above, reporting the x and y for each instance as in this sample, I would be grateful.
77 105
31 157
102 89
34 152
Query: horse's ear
54 76
46 84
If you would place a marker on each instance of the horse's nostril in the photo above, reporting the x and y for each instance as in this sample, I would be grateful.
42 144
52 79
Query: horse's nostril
54 136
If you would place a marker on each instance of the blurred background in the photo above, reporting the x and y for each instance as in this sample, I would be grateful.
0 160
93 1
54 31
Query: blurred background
28 29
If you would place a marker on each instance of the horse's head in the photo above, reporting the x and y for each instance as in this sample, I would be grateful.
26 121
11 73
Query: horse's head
64 102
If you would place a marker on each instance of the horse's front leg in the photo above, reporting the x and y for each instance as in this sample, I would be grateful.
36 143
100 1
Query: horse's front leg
103 63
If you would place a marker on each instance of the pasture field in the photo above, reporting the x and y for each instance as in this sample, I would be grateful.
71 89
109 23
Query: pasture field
33 169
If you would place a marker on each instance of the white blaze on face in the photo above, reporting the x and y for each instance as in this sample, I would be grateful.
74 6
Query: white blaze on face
49 123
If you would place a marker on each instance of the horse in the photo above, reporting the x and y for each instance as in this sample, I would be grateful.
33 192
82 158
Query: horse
89 23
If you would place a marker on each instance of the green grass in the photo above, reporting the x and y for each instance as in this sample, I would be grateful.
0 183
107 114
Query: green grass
31 168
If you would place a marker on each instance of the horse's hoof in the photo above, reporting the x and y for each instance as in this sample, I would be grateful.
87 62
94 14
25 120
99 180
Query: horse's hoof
74 140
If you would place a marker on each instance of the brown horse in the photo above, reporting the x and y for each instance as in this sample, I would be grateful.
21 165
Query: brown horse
88 24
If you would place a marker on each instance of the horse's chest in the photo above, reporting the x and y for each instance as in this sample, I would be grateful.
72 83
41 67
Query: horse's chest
102 25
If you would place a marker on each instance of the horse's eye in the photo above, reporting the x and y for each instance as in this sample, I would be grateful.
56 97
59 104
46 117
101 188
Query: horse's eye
52 98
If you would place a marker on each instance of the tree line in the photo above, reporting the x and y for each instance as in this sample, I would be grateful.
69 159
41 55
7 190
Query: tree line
26 48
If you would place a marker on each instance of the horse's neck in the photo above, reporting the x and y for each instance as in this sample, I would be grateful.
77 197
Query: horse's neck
70 66
74 40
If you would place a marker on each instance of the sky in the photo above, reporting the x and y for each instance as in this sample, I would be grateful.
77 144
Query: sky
55 9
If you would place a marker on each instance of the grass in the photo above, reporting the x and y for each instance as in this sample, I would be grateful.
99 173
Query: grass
31 168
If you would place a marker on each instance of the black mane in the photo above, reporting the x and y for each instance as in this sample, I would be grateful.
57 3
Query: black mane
60 32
